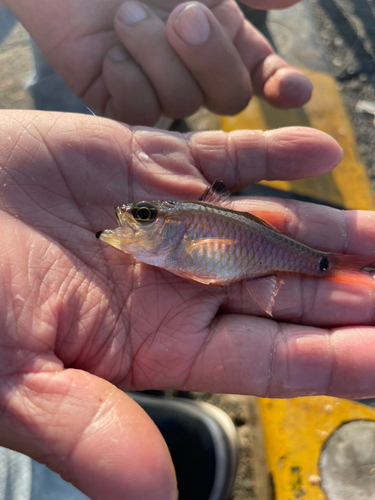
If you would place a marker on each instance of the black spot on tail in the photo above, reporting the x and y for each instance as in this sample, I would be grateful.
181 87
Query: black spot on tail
324 264
98 234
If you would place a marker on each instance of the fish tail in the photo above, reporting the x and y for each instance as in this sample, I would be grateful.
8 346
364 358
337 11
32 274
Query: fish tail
351 269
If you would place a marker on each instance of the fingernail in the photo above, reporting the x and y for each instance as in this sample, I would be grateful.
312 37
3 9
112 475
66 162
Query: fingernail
117 54
131 13
192 25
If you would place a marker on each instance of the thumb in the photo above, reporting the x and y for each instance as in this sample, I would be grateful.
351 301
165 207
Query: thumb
91 433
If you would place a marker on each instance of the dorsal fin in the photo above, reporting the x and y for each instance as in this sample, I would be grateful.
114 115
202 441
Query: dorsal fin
247 215
216 194
258 220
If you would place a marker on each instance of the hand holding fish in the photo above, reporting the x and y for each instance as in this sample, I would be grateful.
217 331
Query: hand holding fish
134 61
80 318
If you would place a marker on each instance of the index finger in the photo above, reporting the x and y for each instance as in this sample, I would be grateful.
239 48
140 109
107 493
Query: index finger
241 157
142 163
167 163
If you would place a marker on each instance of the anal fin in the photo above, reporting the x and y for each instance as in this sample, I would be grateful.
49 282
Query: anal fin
264 290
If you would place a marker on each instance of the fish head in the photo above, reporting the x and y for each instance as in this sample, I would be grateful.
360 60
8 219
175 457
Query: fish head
147 230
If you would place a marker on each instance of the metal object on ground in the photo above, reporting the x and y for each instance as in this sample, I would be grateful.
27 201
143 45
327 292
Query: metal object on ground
347 462
315 443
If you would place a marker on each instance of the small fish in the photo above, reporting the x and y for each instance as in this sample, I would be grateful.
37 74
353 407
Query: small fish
206 242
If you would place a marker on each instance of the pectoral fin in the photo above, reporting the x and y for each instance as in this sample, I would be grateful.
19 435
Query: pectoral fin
264 290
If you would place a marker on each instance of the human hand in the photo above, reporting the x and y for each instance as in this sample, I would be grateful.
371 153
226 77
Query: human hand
176 58
79 318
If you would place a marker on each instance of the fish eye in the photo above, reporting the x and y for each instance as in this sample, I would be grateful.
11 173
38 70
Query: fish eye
144 211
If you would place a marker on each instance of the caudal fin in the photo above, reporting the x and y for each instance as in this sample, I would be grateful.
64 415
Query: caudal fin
352 261
352 269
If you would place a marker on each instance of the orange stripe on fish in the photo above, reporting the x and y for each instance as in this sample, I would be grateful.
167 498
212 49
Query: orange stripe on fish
210 242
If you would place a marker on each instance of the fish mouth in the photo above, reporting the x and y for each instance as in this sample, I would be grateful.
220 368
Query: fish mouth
121 215
122 219
119 238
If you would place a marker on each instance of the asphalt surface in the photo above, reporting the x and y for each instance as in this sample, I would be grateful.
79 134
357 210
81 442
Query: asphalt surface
347 31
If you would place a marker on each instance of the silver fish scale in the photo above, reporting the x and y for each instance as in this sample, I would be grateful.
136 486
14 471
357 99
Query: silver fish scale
257 250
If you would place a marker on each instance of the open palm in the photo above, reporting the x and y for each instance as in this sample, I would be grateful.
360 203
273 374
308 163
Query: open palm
175 58
79 318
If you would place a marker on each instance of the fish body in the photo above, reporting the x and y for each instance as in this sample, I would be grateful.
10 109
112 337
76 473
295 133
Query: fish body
220 246
207 242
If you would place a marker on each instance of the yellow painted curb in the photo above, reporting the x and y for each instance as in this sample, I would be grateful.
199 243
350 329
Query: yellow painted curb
347 185
295 432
